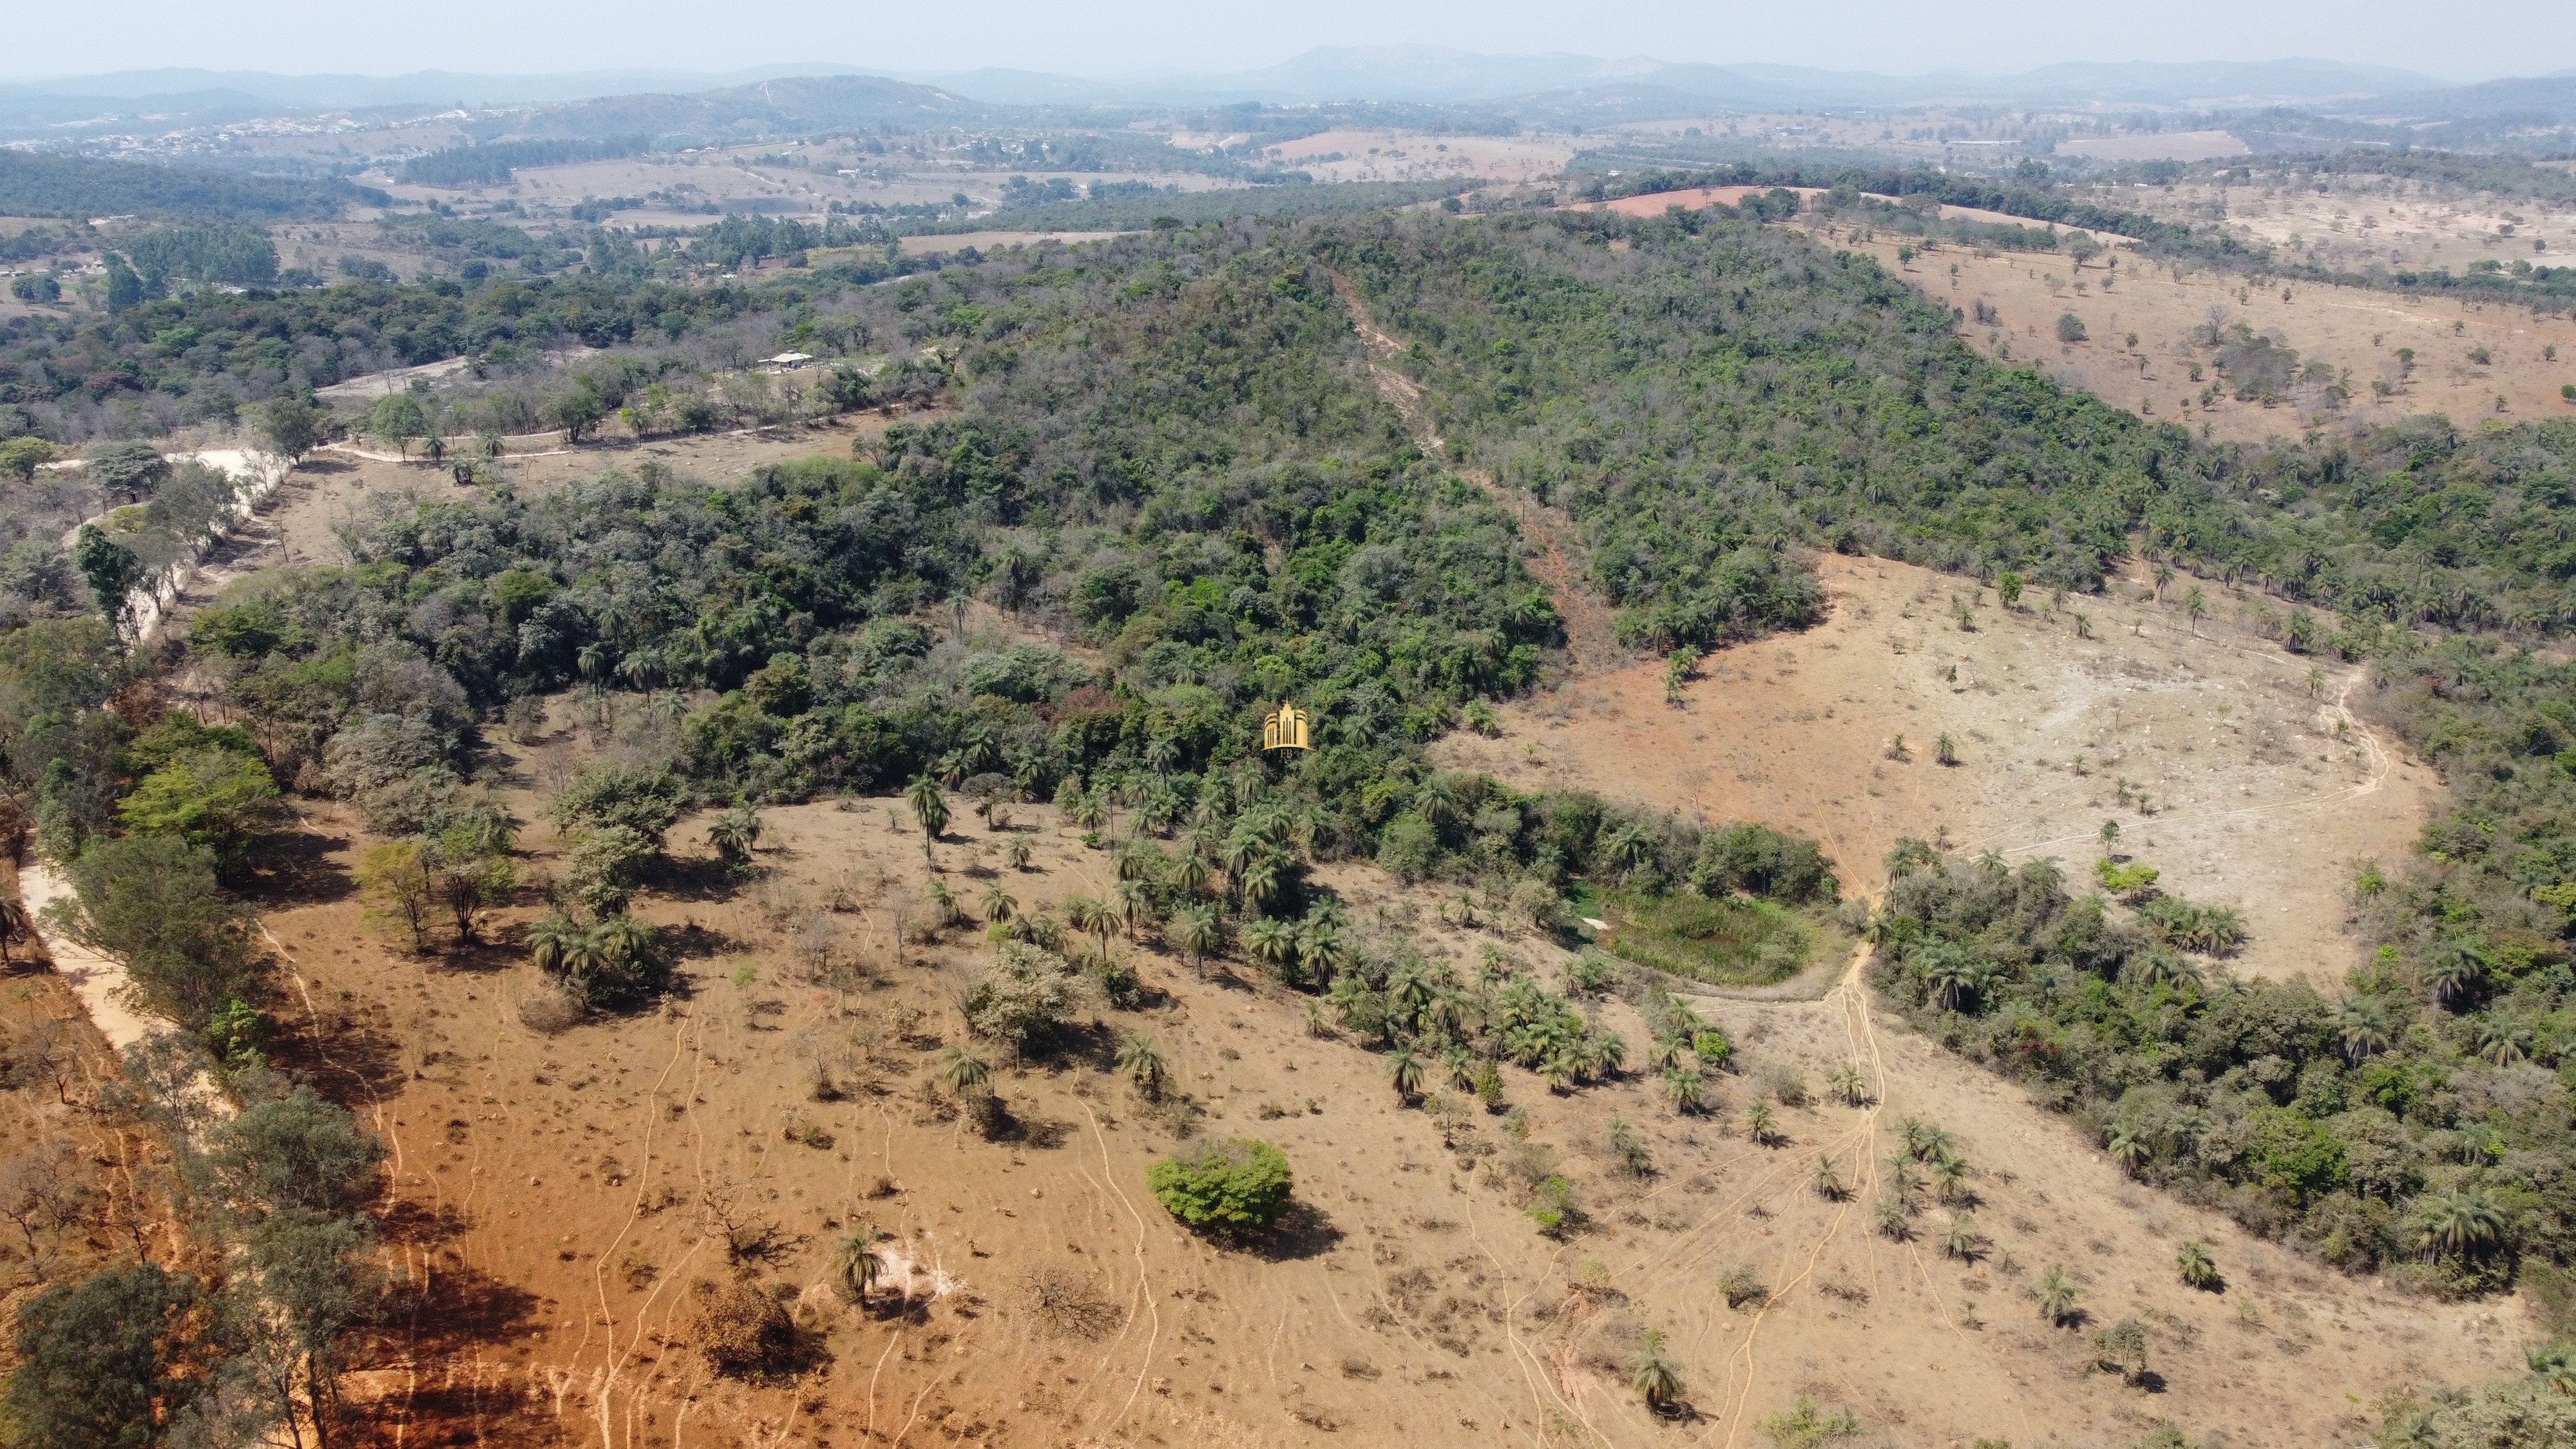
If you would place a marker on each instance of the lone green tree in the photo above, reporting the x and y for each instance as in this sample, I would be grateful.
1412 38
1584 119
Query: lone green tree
109 568
1234 1185
396 418
287 428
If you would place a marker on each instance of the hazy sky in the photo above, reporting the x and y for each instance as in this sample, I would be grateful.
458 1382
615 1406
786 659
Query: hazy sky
1107 37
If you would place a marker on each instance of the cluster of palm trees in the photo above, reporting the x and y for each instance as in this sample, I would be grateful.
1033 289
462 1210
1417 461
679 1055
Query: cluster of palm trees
1433 1022
1927 1156
2210 930
607 962
1238 871
1686 1050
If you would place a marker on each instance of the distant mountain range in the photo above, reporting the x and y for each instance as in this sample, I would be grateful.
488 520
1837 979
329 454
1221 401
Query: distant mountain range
1327 74
1436 74
1552 90
417 88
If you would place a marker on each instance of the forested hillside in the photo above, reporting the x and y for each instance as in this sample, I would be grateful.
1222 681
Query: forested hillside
1164 457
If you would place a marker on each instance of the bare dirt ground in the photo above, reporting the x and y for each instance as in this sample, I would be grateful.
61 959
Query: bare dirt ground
777 178
2264 794
2431 225
2156 146
560 1198
1374 155
2355 331
555 1193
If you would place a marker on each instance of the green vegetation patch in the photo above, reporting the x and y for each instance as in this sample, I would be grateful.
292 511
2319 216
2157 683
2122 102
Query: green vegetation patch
1724 940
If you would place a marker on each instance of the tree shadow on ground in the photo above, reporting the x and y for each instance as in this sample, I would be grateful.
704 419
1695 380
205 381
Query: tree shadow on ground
1304 1231
345 1060
294 868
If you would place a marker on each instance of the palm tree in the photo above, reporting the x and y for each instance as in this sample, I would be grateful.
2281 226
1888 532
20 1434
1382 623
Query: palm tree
1090 811
1559 1070
1273 943
1629 847
2128 1147
929 806
1143 1064
963 1073
2503 1040
1189 874
2453 972
2196 1267
1963 1241
1319 949
1684 1087
998 902
621 940
1901 1177
734 834
1761 1123
1459 1066
1092 918
1135 905
1019 853
1405 1069
1828 1178
1196 931
560 948
857 1265
2362 1028
2055 1295
2464 1221
1950 1174
2195 604
1953 978
1849 1086
1134 860
1258 881
1655 1378
944 901
1892 1216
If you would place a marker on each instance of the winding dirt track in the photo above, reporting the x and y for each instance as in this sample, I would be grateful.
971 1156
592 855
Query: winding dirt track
1589 634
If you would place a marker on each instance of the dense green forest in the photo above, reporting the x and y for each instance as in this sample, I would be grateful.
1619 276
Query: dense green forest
37 184
1690 386
493 164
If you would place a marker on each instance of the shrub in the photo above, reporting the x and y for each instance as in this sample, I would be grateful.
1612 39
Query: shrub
646 801
744 1329
1740 1286
1235 1185
549 1008
605 865
1021 996
1805 1427
1553 1207
2070 328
